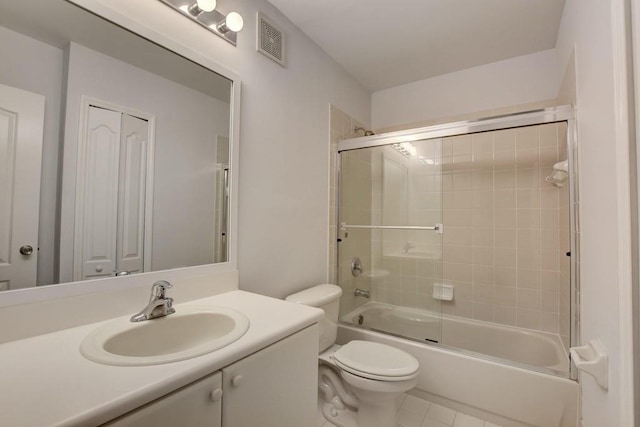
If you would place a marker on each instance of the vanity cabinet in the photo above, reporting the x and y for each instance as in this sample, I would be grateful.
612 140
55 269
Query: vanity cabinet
274 387
198 404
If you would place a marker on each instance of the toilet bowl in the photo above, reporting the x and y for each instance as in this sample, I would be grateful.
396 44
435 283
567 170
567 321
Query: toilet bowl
376 374
364 375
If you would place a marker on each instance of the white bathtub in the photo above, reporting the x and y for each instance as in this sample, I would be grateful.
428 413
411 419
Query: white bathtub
522 346
517 396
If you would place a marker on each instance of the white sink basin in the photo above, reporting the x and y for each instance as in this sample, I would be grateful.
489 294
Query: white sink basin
192 331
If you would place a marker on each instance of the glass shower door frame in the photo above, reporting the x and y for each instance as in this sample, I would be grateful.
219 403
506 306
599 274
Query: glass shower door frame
535 117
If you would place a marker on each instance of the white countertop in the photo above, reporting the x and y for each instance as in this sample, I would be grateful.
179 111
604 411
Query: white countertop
45 381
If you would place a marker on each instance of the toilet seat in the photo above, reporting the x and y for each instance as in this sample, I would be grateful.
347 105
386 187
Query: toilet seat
376 361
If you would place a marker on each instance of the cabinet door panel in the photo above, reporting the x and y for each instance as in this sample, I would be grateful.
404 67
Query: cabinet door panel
275 387
191 406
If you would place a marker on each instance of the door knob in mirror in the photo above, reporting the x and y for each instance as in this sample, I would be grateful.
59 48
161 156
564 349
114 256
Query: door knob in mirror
26 250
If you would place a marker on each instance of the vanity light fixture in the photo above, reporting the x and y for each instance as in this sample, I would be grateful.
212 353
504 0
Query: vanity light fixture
198 7
204 13
233 22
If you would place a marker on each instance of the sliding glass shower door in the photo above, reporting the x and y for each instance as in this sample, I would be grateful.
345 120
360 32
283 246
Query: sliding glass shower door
390 238
466 240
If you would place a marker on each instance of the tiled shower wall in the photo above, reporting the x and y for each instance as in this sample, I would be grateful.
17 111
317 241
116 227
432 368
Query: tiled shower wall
506 228
357 202
406 264
504 243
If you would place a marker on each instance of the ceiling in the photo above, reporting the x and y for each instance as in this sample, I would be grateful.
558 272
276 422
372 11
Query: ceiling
393 42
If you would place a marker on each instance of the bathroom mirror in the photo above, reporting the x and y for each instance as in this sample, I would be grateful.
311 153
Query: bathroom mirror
133 171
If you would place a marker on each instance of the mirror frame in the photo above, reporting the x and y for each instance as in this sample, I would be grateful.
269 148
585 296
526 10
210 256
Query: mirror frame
171 39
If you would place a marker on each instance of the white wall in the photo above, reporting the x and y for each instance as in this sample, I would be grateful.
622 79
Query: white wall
37 67
284 156
187 124
587 27
284 148
516 81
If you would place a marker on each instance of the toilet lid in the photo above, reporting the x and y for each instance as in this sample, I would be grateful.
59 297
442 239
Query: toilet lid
376 361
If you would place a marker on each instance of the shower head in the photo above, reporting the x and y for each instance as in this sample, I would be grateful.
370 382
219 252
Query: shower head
365 131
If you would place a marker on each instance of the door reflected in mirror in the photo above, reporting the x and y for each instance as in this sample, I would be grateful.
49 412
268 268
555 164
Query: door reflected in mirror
115 151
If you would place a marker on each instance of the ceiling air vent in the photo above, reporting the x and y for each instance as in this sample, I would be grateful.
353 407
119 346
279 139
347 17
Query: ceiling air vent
270 41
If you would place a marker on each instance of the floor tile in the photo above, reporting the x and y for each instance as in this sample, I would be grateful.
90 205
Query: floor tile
412 412
400 400
433 423
409 419
463 420
442 414
414 404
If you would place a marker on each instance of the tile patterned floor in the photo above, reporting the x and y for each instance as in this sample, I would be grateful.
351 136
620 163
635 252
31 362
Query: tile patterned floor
415 412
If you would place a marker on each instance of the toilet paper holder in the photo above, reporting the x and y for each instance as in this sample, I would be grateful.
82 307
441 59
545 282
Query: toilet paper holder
592 359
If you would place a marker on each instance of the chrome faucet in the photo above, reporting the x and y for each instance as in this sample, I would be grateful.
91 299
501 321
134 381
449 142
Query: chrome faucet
159 304
407 247
362 293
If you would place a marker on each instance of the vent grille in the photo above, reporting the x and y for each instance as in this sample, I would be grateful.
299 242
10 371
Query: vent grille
271 40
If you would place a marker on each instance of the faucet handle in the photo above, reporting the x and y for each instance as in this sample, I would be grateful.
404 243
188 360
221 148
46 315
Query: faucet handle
159 289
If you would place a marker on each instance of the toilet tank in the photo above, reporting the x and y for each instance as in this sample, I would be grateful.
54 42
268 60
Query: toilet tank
326 297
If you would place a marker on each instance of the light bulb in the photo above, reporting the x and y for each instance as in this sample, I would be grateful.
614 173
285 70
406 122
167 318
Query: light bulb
206 5
234 21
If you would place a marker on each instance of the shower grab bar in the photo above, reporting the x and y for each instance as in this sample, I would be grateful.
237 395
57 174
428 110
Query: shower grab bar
437 228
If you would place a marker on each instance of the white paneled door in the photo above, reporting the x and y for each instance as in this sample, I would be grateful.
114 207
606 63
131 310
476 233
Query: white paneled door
98 228
131 194
112 194
21 133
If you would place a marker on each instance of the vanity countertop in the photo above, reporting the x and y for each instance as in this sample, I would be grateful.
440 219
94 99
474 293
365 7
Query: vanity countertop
47 382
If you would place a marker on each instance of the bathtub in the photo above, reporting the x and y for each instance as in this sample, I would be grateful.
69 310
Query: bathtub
536 349
479 366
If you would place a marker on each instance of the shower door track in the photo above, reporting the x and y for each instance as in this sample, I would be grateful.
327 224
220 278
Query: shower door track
527 118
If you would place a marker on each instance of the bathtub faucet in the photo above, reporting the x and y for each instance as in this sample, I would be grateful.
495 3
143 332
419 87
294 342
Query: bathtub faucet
362 293
407 246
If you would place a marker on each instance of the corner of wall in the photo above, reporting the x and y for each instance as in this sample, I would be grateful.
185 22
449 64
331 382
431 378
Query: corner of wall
567 92
342 126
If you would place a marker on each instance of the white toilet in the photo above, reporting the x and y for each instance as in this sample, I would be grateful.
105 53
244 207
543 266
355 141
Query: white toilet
375 374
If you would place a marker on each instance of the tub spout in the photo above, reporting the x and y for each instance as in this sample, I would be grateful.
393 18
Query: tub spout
362 293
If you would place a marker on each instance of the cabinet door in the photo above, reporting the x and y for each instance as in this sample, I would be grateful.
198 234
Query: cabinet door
195 405
275 387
